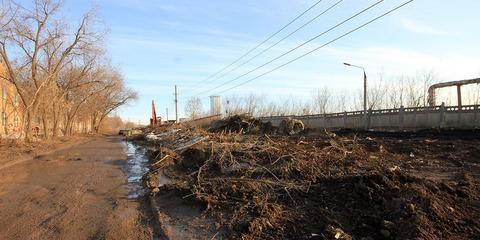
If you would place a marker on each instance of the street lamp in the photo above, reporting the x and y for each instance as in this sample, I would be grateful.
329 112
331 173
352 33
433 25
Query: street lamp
364 91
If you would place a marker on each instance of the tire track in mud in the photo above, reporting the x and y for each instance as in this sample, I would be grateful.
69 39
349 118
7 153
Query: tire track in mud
137 165
74 193
170 214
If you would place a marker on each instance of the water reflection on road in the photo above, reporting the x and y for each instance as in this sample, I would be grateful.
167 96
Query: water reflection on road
137 165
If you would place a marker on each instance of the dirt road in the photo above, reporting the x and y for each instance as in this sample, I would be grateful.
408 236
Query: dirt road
75 193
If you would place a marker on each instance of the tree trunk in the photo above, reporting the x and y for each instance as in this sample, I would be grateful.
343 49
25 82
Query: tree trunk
68 124
28 125
45 126
54 120
93 121
55 125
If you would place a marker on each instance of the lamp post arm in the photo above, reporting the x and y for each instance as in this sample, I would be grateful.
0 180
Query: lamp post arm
365 114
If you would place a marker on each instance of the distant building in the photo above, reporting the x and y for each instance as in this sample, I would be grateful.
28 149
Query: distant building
215 106
10 106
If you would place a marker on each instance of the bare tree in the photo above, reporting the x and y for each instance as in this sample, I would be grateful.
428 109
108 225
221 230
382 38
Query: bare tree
425 79
376 93
252 103
340 100
402 91
35 46
270 109
321 100
472 94
396 93
193 108
60 73
112 94
233 105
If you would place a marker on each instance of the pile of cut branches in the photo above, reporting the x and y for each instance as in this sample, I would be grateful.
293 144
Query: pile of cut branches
326 187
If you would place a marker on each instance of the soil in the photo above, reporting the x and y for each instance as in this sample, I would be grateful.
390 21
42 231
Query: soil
236 184
342 185
75 193
13 152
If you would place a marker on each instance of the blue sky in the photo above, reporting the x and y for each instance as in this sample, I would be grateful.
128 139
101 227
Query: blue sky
160 43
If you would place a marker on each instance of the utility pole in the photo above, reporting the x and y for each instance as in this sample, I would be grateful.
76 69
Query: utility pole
176 104
365 110
167 114
365 94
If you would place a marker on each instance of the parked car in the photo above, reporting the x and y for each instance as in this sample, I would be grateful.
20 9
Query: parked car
123 132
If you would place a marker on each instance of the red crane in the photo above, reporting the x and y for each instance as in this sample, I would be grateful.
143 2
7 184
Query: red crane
153 120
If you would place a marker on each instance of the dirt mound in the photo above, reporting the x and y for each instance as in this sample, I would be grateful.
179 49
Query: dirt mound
248 124
387 205
243 124
326 187
193 158
291 126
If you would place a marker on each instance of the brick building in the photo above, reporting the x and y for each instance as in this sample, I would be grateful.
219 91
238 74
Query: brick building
10 107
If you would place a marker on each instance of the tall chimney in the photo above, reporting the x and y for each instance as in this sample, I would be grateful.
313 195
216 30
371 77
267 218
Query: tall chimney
215 106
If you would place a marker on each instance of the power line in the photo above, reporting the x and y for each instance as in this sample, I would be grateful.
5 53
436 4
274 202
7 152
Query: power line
295 48
260 44
316 49
278 42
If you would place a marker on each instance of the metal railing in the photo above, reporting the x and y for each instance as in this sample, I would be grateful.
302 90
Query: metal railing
467 116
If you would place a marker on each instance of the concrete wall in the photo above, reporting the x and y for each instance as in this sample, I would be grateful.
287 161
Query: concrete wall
203 122
466 117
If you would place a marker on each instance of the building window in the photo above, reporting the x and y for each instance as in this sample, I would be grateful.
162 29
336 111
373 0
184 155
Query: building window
4 119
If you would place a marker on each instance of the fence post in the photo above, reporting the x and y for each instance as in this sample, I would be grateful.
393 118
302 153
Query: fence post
459 117
324 116
475 116
367 122
401 117
415 118
427 115
442 115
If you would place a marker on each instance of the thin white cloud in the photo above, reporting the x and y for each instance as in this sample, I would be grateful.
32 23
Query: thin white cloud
421 28
392 62
398 61
146 6
192 30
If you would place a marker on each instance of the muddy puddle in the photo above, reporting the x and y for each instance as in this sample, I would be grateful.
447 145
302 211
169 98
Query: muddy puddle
176 216
137 165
